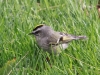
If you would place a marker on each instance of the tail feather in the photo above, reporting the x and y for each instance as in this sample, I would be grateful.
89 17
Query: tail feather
79 37
70 38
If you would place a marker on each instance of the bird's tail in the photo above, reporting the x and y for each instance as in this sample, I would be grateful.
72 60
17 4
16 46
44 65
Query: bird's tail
70 38
78 37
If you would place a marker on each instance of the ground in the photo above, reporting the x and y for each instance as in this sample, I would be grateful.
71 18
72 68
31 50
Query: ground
19 53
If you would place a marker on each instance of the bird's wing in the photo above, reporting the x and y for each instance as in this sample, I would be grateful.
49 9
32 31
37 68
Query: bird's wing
65 38
54 39
61 38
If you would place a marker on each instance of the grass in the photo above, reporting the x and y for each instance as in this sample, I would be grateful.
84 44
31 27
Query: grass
19 17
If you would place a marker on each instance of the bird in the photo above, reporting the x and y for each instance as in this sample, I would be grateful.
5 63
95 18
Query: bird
52 41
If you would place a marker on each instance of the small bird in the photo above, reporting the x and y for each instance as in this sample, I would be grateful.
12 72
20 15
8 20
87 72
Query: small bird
52 41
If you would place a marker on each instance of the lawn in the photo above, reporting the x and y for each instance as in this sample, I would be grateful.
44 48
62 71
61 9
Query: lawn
19 52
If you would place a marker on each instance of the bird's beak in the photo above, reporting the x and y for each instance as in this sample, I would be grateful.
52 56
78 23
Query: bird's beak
31 33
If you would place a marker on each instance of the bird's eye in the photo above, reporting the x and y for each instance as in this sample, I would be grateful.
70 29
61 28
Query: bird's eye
37 33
